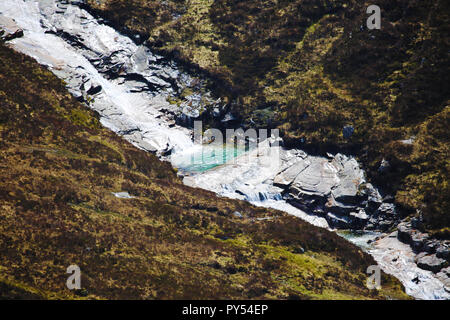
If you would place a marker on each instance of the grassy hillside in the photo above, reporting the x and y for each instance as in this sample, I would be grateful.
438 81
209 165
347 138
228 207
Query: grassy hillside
312 67
58 170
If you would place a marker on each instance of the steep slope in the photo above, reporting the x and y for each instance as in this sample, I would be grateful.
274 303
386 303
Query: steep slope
59 170
312 68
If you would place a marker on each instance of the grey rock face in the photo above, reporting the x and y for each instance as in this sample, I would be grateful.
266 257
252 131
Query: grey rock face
237 214
122 195
188 114
431 263
385 166
404 232
335 187
9 29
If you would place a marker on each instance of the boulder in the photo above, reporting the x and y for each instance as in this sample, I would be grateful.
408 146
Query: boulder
431 262
340 222
385 166
9 29
418 241
404 232
386 209
351 177
347 132
444 277
443 251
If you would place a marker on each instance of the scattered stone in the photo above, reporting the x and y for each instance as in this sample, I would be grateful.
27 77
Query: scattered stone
228 117
430 246
446 271
122 195
298 249
384 166
287 176
237 214
417 241
347 132
94 89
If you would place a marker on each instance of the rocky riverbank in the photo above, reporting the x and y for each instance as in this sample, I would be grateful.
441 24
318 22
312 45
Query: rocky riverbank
145 98
399 259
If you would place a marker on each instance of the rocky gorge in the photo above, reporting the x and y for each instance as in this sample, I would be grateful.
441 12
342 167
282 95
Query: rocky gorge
148 100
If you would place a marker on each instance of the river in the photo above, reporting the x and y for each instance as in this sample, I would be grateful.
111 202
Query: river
130 87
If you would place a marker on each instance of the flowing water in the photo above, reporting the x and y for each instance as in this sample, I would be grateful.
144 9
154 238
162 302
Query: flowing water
133 103
204 158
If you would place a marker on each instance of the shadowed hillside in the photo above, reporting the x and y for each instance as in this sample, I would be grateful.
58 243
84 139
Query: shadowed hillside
312 67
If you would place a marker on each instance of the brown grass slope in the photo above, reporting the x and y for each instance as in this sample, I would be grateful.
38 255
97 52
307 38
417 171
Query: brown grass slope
58 170
312 67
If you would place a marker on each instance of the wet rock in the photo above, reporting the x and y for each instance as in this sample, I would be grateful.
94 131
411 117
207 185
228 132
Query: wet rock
336 185
359 219
386 210
216 113
431 263
316 180
446 271
94 89
340 222
388 199
444 277
393 234
430 246
416 223
122 195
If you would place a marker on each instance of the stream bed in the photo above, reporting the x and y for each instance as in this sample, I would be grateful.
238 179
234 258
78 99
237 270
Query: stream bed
129 86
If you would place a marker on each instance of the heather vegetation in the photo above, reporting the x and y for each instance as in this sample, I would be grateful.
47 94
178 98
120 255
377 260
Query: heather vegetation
59 169
312 67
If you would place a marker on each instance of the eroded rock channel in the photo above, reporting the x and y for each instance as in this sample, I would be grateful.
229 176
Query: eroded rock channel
148 100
